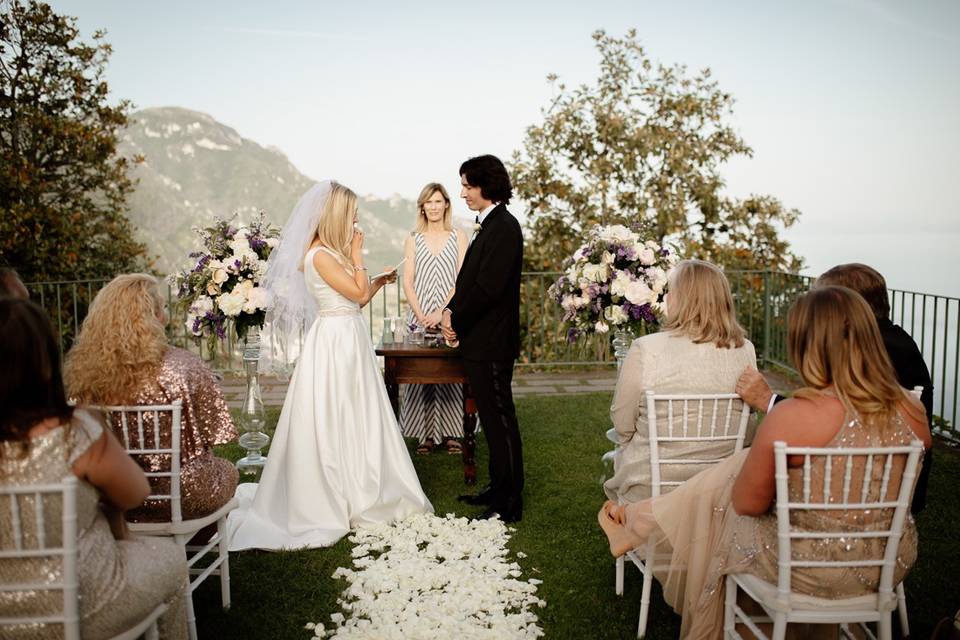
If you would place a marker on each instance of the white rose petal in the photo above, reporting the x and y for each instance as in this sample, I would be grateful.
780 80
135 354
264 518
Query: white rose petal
647 256
601 327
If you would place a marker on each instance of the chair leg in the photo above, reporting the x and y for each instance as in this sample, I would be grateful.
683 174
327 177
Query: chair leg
645 595
618 585
224 563
779 627
902 610
191 616
729 599
885 627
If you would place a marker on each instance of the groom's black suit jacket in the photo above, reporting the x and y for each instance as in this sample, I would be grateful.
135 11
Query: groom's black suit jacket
485 309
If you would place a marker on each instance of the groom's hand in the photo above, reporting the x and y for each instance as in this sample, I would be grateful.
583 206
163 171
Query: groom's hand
446 326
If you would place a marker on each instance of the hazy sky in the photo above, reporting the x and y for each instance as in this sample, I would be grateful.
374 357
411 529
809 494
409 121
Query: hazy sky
852 106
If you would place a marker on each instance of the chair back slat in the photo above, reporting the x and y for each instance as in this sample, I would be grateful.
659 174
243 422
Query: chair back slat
38 520
64 553
15 522
169 455
840 522
692 427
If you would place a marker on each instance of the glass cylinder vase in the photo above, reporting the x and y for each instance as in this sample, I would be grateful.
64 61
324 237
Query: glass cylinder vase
253 419
622 339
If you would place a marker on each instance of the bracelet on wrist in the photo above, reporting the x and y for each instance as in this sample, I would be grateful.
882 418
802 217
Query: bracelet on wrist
359 267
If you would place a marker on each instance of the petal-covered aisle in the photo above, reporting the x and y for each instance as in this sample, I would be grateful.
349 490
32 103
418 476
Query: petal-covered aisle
434 577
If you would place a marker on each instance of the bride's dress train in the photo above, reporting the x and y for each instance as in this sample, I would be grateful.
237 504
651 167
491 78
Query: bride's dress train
338 459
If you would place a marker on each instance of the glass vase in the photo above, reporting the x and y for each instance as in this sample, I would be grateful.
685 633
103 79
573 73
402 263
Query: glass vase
622 339
253 419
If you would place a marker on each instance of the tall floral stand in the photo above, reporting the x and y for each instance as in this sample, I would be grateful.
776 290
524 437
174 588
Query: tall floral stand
622 339
252 417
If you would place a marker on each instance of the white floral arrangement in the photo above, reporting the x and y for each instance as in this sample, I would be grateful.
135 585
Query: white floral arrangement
614 280
434 577
224 283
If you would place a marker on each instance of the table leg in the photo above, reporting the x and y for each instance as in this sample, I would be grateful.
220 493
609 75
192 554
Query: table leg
469 436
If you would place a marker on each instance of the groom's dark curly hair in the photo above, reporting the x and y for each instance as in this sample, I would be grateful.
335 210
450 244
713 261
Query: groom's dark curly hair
488 173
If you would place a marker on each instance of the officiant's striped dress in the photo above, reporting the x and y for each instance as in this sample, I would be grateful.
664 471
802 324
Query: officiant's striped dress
433 411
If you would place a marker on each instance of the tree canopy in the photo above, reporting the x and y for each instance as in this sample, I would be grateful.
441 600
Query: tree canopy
643 146
63 187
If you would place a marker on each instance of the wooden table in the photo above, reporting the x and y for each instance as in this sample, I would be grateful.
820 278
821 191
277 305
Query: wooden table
406 363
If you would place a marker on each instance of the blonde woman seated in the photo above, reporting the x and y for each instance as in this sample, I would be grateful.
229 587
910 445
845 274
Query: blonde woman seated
121 357
432 413
701 349
42 440
720 521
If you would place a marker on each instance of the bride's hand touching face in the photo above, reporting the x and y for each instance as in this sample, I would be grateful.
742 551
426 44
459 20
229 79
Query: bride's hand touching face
356 243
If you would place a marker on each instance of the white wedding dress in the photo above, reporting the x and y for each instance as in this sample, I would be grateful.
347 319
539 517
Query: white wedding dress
338 459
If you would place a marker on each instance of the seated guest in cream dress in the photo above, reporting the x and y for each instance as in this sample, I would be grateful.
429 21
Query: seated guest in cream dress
121 357
42 440
701 349
721 521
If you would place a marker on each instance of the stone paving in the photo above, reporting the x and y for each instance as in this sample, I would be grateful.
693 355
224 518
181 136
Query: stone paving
525 383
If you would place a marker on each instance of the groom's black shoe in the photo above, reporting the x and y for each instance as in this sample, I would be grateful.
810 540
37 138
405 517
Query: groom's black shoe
510 515
482 499
507 513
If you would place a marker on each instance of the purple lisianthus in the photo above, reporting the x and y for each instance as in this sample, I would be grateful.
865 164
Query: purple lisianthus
572 334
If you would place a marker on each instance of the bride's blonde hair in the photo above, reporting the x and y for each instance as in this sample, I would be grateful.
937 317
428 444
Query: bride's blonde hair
335 228
122 341
833 340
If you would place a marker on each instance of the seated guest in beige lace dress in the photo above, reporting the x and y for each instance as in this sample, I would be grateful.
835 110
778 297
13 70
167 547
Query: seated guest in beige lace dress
721 521
121 357
43 440
701 349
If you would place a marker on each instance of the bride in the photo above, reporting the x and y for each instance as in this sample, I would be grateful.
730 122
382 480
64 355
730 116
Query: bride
338 459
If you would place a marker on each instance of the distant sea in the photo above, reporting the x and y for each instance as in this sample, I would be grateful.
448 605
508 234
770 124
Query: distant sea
923 262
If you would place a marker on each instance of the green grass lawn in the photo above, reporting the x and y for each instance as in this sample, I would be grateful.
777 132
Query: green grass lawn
275 594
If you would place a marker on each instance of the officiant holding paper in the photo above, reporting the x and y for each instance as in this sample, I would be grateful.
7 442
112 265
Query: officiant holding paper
484 318
433 253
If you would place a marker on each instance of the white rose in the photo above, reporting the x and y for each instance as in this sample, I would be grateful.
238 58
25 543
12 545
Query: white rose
618 287
647 256
582 301
201 305
243 288
240 245
231 303
615 315
220 276
568 302
607 258
657 278
639 293
596 272
272 242
616 232
601 327
257 298
652 245
214 264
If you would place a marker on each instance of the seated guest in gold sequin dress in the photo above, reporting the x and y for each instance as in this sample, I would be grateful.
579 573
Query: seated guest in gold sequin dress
851 399
43 440
121 357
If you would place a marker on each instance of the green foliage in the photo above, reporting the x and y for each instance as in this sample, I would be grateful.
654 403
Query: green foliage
643 147
63 189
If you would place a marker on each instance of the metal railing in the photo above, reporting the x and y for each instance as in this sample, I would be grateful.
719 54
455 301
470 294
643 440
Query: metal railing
763 299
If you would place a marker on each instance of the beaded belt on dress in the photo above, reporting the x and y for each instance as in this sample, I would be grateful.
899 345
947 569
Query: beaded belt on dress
327 313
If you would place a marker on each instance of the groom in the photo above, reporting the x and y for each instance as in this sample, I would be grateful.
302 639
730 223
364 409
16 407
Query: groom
484 315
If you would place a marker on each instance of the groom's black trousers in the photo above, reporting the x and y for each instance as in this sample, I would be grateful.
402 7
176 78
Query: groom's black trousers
490 382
